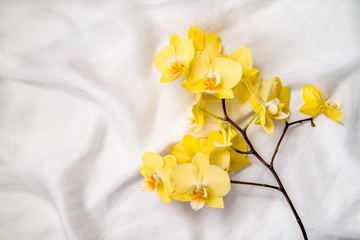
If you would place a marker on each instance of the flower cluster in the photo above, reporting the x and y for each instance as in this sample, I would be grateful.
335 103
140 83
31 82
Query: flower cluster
197 171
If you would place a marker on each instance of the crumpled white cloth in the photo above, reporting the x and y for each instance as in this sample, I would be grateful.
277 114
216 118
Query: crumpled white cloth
80 102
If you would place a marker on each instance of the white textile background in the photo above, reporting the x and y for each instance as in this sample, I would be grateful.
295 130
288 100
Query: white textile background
80 101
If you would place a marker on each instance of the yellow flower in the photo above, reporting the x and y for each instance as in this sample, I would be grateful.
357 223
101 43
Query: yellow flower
201 40
250 77
200 183
271 100
157 172
223 155
314 105
196 115
185 150
214 75
174 60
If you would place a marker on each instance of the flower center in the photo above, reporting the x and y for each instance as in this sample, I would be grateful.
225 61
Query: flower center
176 66
272 106
156 177
333 104
210 81
198 191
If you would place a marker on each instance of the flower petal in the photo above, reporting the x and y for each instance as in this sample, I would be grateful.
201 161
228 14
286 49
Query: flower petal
152 161
267 123
284 97
148 186
217 180
180 154
269 88
243 56
220 156
169 162
185 197
333 113
185 49
198 68
216 138
213 40
146 172
183 177
200 161
206 146
198 38
169 77
197 203
224 93
161 58
214 201
191 145
230 72
310 93
311 108
174 40
196 88
162 193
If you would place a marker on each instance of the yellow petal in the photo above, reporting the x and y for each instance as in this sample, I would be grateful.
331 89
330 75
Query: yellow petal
180 154
214 201
211 53
183 177
161 58
230 72
197 203
152 161
284 97
200 161
216 138
217 180
169 162
167 182
311 108
196 88
198 38
267 123
333 113
191 145
237 161
220 156
243 56
255 104
206 146
185 197
169 77
270 88
310 93
162 193
198 68
174 40
213 40
185 50
224 93
146 172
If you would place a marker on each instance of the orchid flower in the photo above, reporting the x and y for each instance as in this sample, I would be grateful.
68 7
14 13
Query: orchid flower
201 40
314 105
157 172
174 60
200 183
271 100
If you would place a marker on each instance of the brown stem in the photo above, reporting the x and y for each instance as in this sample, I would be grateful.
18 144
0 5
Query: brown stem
255 184
287 125
272 170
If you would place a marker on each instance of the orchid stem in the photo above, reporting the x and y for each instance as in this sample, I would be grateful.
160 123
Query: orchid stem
242 152
251 120
212 115
255 184
268 166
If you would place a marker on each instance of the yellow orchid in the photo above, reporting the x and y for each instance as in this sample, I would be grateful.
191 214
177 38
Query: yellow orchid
224 155
314 105
211 74
196 115
174 60
200 183
250 76
157 172
185 150
271 100
201 40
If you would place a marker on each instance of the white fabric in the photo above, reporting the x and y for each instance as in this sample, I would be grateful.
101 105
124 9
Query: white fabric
80 102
